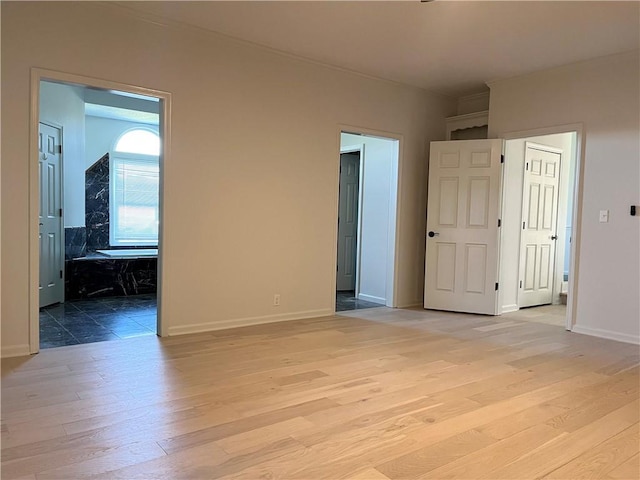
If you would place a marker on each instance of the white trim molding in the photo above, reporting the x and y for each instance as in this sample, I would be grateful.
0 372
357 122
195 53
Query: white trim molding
608 334
415 304
467 120
509 308
371 298
248 321
15 351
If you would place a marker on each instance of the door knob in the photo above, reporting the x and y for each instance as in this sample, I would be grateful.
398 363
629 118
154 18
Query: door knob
433 234
41 224
554 237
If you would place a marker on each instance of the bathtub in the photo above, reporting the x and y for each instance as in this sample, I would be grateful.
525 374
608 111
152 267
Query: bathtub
130 253
107 273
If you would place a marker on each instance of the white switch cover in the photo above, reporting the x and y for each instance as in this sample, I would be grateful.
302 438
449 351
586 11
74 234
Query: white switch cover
604 216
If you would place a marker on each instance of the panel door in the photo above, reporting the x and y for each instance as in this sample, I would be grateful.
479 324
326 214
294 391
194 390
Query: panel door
539 217
348 221
51 284
461 271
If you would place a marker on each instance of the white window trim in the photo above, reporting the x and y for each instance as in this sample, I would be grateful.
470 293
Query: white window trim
113 241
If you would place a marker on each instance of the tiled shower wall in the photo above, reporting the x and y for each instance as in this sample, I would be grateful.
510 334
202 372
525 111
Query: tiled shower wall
75 242
97 205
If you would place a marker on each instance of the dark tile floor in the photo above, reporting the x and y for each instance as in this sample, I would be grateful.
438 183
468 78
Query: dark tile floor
97 320
112 318
347 301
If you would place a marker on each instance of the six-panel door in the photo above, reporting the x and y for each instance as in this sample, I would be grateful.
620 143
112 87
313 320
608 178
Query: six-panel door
462 223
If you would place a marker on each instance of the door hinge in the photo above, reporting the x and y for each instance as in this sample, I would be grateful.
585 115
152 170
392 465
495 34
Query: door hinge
499 222
59 148
523 225
527 166
496 286
60 211
501 158
520 283
60 273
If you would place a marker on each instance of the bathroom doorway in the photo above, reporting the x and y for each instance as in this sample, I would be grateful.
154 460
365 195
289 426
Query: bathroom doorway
110 175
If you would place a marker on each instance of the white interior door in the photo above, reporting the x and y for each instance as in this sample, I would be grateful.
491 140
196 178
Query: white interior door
348 221
51 285
539 219
461 272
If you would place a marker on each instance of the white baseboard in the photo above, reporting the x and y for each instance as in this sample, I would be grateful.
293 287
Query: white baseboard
371 298
412 305
245 322
608 334
509 308
15 351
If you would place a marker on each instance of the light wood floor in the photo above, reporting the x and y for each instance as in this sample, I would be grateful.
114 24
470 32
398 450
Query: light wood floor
371 394
547 314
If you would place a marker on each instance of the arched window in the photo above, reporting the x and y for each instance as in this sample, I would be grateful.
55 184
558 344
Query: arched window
134 192
141 141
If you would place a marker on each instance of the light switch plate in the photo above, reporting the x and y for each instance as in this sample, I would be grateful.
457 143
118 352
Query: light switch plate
604 216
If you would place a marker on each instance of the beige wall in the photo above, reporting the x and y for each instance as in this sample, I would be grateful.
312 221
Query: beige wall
603 95
251 184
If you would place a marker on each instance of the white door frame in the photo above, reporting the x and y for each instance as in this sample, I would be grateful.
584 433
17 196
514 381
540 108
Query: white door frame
394 238
578 128
353 149
38 75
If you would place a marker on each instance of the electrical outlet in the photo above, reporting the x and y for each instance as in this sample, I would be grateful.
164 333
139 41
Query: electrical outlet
276 300
604 216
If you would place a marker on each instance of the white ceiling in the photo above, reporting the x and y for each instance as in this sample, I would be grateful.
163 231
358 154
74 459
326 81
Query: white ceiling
450 47
115 113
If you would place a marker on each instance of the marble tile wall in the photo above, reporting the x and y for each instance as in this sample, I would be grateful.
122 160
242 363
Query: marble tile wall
75 242
97 204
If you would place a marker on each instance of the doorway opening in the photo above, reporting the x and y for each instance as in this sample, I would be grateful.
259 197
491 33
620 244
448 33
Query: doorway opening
97 188
538 223
366 231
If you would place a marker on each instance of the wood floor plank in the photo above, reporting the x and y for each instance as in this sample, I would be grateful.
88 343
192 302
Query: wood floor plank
482 462
198 463
550 456
129 454
418 462
369 474
497 411
261 437
512 424
217 432
593 402
602 459
372 394
629 469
